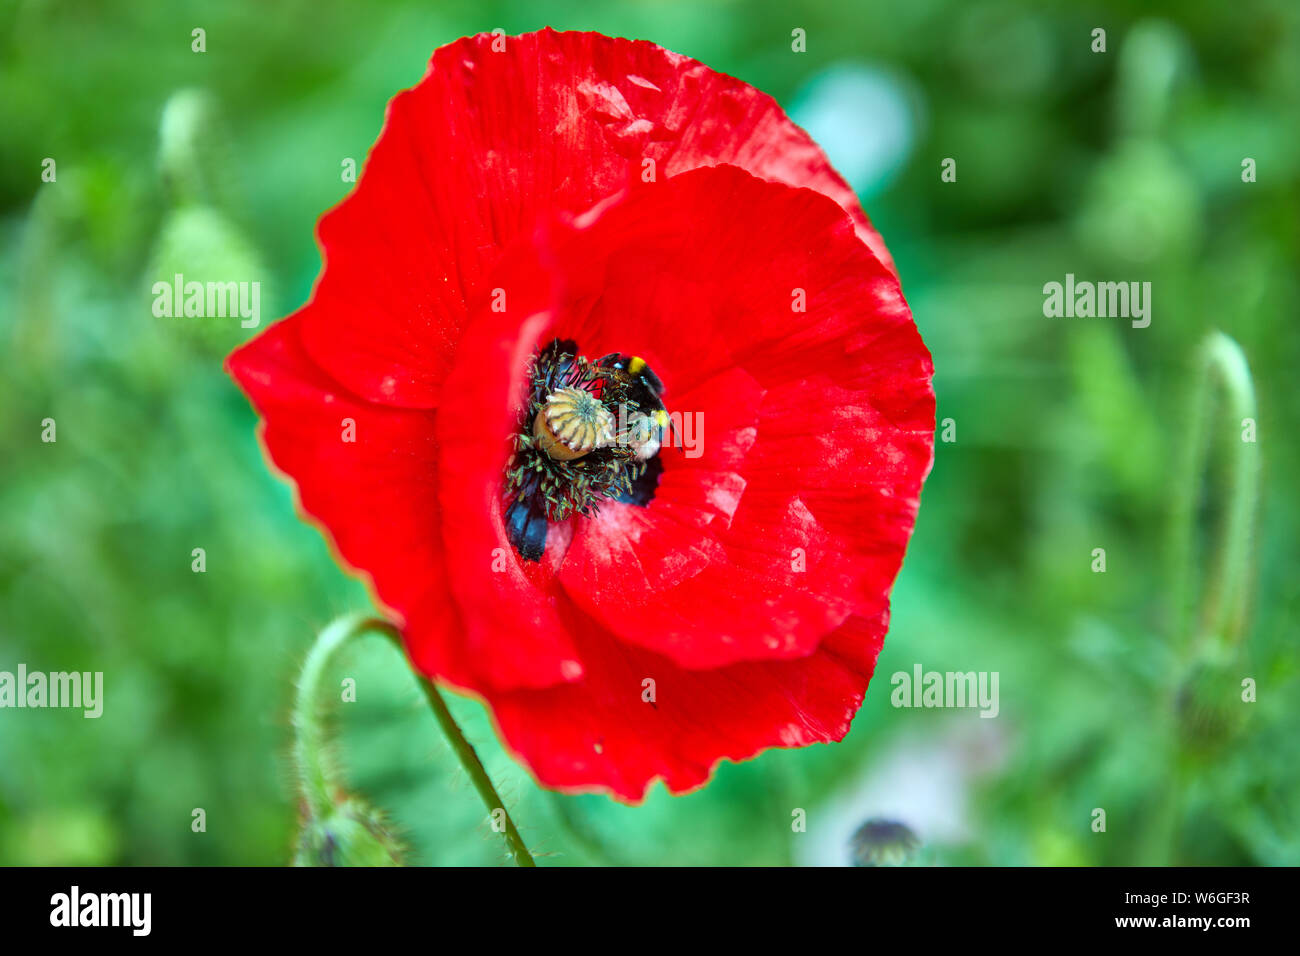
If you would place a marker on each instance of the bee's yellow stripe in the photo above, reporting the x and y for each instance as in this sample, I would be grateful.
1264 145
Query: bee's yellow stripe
635 364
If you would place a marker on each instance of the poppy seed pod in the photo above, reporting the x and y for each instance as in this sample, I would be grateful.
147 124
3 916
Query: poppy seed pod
572 423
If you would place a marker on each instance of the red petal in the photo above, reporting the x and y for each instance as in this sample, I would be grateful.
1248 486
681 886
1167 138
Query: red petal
374 498
490 143
600 734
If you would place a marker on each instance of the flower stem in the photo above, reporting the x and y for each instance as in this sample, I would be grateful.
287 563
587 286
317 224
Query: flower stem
474 767
1226 599
465 752
318 771
1218 618
1222 612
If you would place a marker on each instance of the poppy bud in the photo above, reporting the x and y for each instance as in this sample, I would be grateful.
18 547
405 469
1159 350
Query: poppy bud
1209 702
350 834
883 843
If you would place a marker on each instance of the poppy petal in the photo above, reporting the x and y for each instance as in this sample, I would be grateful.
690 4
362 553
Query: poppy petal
366 476
604 733
501 133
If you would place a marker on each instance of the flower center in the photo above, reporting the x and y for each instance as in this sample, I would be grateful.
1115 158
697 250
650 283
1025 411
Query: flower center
571 423
588 431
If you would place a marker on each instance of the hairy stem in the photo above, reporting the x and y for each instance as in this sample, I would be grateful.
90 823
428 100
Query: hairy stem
318 771
466 754
1221 614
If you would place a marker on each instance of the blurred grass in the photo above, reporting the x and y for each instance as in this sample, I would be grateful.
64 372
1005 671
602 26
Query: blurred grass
1123 165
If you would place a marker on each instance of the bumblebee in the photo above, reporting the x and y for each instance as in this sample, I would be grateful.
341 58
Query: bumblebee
643 429
642 382
572 452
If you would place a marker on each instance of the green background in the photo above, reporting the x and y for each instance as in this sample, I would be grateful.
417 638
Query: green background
1071 434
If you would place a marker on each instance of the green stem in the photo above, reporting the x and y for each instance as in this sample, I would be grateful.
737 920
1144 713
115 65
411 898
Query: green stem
319 773
317 769
477 774
465 752
1222 376
1226 600
1222 367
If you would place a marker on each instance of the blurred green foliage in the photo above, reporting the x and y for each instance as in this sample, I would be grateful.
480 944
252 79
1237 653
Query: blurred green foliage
1122 165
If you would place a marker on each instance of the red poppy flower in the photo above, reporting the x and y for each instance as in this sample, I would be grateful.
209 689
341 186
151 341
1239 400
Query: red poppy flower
573 226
